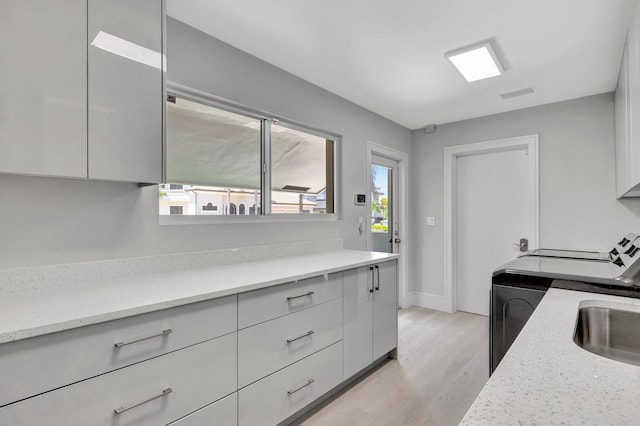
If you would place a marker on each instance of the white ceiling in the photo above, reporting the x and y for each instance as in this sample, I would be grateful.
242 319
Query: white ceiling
387 56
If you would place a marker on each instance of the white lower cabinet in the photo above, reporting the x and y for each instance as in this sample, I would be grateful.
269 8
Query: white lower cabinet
195 365
270 346
370 315
154 392
220 413
272 302
280 395
53 360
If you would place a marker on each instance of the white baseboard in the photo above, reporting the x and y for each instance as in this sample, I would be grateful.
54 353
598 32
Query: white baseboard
430 301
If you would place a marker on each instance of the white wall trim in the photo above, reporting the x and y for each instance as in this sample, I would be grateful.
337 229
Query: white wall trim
403 162
428 300
528 142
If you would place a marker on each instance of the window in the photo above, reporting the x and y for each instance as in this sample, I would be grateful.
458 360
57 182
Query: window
224 160
175 209
301 171
210 207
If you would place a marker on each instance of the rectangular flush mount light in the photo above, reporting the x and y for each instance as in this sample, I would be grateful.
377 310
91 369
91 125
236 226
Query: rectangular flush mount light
127 49
476 62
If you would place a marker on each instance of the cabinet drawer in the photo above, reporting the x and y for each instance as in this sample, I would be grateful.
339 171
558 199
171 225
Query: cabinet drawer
282 394
43 363
272 345
272 302
220 413
195 376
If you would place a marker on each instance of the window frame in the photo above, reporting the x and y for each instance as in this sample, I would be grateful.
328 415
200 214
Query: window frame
266 119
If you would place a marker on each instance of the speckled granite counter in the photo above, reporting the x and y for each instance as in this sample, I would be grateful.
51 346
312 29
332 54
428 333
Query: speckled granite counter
546 379
28 312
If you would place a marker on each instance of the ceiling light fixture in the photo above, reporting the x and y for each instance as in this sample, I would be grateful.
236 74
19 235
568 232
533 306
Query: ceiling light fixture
476 62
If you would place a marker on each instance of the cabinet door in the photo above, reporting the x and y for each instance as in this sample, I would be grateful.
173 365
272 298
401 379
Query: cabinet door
385 309
43 87
633 101
125 90
358 305
621 108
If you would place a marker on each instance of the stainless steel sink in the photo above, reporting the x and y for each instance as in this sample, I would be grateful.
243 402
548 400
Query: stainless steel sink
611 333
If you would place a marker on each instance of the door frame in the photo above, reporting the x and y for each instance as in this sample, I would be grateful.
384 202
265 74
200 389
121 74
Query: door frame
451 154
402 158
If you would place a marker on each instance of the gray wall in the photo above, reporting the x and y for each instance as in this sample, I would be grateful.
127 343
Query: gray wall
578 207
47 220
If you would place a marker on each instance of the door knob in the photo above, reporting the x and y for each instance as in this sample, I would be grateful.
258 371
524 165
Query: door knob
397 241
523 245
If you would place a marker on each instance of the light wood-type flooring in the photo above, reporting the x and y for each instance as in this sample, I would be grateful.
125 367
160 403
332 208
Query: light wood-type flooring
443 363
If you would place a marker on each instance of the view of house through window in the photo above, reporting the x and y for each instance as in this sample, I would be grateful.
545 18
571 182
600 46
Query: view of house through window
301 171
215 164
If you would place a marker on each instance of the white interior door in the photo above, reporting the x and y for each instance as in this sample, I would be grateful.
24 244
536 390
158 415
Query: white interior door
494 208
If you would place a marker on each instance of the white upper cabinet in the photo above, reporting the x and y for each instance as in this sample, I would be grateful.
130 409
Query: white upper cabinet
627 114
82 88
125 90
43 87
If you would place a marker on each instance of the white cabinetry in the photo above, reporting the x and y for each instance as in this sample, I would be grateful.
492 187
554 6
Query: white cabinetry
370 315
154 392
125 92
72 105
260 357
627 113
280 395
220 413
43 87
295 356
53 360
272 302
272 345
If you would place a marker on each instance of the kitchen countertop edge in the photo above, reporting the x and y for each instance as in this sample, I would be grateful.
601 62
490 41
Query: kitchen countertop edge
37 313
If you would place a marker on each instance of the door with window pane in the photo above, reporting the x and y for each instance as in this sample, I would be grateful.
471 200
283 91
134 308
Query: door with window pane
384 223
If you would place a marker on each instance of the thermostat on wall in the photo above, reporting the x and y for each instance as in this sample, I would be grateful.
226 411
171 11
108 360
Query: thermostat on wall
359 199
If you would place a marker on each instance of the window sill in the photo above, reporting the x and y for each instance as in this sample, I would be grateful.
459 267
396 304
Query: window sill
220 220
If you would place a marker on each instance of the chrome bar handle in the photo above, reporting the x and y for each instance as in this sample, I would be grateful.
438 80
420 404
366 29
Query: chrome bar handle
292 391
302 295
378 271
308 333
122 409
372 279
161 334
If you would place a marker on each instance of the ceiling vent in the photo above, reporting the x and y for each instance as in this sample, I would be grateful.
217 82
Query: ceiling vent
515 93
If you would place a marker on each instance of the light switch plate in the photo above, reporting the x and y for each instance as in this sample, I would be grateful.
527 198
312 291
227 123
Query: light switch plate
431 221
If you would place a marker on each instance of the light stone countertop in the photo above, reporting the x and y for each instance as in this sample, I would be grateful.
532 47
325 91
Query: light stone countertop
546 379
50 309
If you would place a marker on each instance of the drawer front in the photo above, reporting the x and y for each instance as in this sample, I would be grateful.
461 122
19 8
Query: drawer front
276 397
220 413
272 345
272 302
43 363
196 376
